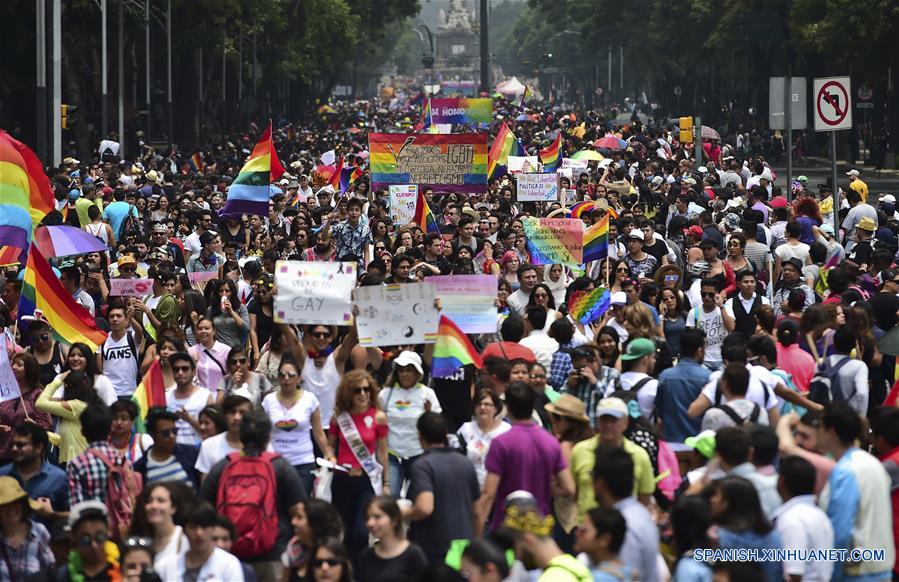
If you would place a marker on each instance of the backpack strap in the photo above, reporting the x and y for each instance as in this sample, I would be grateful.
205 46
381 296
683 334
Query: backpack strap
132 345
756 411
732 414
217 363
643 382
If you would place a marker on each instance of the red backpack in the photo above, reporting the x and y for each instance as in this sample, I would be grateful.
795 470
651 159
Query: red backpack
247 495
122 487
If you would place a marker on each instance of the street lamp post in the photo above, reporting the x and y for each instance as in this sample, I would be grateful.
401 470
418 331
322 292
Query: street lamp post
104 72
147 65
40 13
121 79
169 114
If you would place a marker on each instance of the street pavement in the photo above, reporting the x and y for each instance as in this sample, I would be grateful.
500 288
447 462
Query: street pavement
817 170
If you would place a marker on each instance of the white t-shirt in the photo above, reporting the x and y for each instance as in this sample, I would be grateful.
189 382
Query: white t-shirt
758 392
214 449
403 406
646 395
477 444
177 547
788 251
220 566
193 404
323 383
292 427
713 326
120 364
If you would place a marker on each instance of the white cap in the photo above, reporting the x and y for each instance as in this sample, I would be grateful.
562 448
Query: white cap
702 170
889 199
853 173
408 358
618 298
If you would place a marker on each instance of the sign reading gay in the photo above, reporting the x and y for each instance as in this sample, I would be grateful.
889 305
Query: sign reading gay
313 292
461 110
446 163
402 203
538 187
555 240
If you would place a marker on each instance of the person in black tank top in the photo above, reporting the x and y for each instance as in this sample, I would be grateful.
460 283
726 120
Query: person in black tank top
50 355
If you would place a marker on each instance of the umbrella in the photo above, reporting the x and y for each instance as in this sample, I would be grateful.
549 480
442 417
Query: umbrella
708 133
588 155
610 142
63 241
522 117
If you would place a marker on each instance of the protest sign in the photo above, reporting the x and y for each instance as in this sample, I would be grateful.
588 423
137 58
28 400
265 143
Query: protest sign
522 164
537 187
554 240
577 166
9 387
402 203
446 163
461 110
202 276
569 196
131 287
391 315
469 300
314 292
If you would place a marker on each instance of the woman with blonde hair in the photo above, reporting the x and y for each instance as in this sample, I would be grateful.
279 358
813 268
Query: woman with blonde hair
358 434
638 321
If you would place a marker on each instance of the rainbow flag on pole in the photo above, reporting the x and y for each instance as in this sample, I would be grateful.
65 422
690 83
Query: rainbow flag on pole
551 156
149 393
25 193
424 218
250 192
196 163
43 292
452 350
596 240
348 177
505 145
334 180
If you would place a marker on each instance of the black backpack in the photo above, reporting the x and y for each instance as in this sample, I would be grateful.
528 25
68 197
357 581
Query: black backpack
825 387
131 225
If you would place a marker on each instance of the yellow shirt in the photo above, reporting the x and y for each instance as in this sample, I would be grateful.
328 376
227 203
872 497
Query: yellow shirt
861 188
583 458
73 442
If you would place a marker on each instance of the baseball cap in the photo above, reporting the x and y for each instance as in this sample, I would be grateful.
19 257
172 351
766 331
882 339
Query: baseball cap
704 443
635 234
778 202
611 407
409 358
638 348
618 298
84 510
207 237
74 194
853 172
657 181
126 260
694 231
866 223
802 179
888 199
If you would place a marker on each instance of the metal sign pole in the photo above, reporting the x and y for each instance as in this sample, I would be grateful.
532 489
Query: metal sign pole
836 189
788 129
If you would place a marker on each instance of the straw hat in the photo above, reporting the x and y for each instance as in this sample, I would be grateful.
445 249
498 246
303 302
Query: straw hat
568 406
10 491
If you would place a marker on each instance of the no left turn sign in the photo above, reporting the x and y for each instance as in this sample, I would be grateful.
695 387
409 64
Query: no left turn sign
833 103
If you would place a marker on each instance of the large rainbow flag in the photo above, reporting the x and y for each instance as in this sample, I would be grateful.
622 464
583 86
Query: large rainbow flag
460 110
551 156
250 193
445 162
424 218
505 145
452 350
25 193
43 291
149 393
596 240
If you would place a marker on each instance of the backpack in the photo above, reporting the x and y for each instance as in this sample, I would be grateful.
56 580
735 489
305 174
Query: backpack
131 225
825 387
122 488
247 494
732 414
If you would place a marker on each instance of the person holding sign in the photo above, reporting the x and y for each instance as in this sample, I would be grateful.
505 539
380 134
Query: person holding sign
16 411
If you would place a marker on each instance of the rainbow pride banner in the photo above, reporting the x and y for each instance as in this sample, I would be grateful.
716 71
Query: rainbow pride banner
554 240
446 163
461 110
588 307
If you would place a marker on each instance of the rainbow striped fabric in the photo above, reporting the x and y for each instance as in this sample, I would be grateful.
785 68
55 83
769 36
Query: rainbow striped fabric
334 180
348 177
551 156
452 350
424 218
505 145
596 240
196 163
250 192
445 162
43 292
588 307
149 393
25 193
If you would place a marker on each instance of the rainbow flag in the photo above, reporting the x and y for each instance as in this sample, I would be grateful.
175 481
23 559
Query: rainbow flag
250 193
424 218
9 255
25 193
428 125
149 393
196 163
524 96
588 307
581 207
334 180
551 156
452 350
505 145
596 240
348 177
42 291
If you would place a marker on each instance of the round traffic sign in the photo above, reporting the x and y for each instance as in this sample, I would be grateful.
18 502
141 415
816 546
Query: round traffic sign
832 103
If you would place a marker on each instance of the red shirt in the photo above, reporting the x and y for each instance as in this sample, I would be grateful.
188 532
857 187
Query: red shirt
369 430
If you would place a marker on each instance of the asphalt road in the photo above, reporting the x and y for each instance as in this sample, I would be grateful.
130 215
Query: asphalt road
818 171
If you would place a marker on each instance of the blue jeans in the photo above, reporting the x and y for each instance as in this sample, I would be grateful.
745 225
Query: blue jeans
398 472
306 476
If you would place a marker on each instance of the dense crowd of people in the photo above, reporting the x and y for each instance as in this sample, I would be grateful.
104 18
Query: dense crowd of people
736 395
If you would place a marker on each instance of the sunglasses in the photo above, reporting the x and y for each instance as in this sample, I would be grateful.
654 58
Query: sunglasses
237 361
361 390
331 562
137 542
896 281
708 294
99 539
622 270
287 374
321 334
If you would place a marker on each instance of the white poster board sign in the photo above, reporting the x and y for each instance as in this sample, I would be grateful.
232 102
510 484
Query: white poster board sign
314 292
577 166
522 164
569 196
537 187
130 287
403 199
392 315
469 300
9 387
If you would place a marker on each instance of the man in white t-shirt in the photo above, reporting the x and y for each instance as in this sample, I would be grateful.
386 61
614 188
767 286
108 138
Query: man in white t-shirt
639 360
736 409
217 447
527 277
713 320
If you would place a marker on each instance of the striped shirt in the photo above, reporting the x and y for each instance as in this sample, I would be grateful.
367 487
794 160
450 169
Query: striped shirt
168 470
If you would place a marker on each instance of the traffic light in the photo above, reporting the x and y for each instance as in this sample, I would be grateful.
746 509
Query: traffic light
686 130
68 116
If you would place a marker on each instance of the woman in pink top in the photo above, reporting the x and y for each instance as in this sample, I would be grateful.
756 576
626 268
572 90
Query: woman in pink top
791 358
210 355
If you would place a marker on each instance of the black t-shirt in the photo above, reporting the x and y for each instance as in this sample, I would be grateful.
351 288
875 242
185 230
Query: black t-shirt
406 567
657 249
264 323
454 394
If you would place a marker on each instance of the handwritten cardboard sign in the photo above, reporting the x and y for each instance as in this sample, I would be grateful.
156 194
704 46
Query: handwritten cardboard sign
130 287
537 187
314 292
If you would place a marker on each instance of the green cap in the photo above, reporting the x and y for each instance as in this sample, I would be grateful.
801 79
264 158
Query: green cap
638 348
802 179
704 442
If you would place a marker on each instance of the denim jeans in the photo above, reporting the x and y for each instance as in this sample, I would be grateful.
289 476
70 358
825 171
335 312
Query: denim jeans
398 473
306 476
